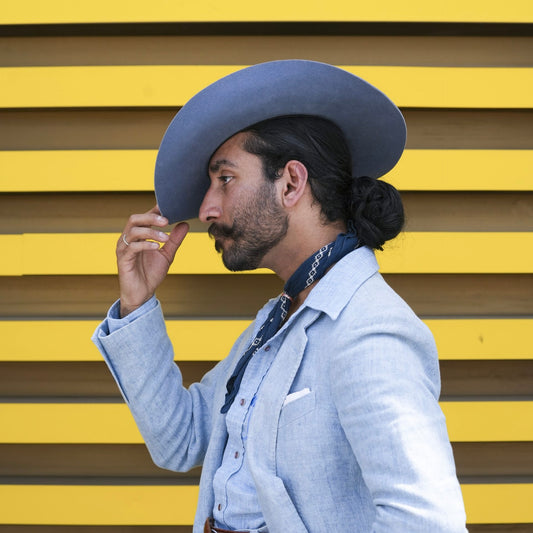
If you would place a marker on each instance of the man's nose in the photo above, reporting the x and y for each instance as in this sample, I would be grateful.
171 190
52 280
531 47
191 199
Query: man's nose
209 209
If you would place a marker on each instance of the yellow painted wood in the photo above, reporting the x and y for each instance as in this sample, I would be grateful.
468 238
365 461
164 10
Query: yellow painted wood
68 423
413 252
489 421
63 11
156 85
42 423
482 338
11 263
491 503
94 253
211 340
458 252
498 503
77 170
69 340
157 505
132 170
98 505
463 170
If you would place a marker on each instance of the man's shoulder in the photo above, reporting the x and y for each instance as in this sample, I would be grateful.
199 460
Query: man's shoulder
376 302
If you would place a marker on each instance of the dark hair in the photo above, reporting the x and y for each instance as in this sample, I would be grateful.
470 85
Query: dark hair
373 206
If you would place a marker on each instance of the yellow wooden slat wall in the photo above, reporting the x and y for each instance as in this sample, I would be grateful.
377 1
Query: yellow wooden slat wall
86 90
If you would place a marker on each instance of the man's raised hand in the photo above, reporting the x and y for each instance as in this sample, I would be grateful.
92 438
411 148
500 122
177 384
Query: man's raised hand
142 263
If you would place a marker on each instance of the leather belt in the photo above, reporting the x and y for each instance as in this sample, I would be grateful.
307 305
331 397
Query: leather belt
209 527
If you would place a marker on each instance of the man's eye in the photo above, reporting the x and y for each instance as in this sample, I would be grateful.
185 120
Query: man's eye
225 179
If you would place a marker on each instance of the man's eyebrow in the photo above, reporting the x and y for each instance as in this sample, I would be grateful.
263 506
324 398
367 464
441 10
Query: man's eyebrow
215 165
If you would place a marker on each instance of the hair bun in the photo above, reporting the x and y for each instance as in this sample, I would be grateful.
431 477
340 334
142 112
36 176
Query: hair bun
377 211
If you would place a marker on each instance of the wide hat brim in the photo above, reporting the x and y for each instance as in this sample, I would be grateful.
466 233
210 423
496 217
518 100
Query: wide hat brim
374 127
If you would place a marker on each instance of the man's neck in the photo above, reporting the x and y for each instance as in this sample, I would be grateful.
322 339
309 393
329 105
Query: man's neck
286 257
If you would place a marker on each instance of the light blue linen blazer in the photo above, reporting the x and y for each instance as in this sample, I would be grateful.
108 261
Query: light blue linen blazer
366 450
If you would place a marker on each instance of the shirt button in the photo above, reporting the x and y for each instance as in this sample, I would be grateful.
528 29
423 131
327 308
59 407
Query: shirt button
267 348
236 455
219 507
243 401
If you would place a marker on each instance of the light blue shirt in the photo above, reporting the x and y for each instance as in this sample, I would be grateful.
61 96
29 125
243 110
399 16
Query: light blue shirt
236 502
346 431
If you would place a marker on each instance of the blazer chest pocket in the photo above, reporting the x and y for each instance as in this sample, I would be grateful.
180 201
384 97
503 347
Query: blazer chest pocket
297 408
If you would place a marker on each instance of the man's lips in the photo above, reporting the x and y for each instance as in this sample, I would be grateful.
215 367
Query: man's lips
219 235
219 243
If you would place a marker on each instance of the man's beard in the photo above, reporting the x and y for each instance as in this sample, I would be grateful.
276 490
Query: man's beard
258 226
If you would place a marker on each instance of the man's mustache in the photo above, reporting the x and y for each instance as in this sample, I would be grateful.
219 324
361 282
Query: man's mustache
221 230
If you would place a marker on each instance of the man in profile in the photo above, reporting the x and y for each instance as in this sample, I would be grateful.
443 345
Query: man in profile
324 416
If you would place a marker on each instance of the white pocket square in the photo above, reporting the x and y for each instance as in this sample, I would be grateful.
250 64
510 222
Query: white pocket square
296 395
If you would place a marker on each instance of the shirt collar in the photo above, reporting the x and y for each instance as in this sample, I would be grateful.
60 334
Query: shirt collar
335 289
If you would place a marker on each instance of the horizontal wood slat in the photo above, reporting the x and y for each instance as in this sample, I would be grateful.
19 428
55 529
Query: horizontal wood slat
98 505
112 423
103 212
413 252
498 503
131 462
194 340
241 295
64 423
482 338
77 170
100 11
211 340
149 85
175 505
489 421
463 170
132 170
142 128
343 48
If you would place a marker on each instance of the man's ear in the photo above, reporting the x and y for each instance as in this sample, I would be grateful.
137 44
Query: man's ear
293 181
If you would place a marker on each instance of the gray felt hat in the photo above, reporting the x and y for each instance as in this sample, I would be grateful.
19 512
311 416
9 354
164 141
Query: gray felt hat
373 125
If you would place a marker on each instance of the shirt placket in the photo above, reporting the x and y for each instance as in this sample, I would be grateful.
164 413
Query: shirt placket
237 422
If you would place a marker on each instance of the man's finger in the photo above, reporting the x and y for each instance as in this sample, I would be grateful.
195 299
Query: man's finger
176 237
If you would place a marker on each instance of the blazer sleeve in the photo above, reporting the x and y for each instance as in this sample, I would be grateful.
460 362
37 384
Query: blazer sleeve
386 383
175 422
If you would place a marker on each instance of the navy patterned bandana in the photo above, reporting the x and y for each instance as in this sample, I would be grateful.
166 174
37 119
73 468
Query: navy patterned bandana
311 270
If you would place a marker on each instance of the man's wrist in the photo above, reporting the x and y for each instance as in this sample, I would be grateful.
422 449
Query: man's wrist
126 309
116 321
